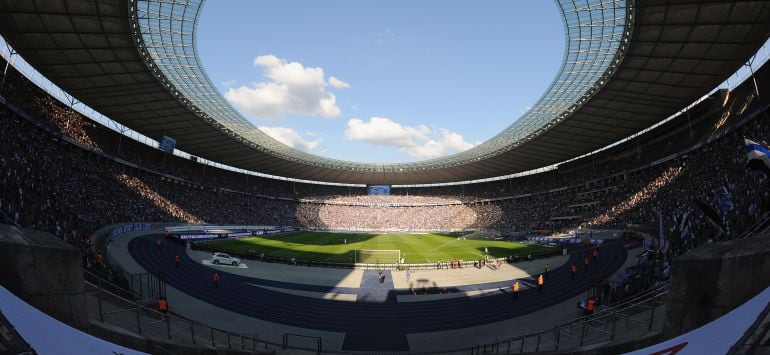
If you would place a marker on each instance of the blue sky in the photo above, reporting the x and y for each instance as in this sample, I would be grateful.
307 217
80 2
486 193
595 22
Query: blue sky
381 81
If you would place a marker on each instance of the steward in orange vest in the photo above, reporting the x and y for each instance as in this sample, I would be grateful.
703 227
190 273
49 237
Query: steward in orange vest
162 306
99 261
590 306
516 290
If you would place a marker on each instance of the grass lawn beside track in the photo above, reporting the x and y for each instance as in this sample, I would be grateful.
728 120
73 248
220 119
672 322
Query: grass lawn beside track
415 248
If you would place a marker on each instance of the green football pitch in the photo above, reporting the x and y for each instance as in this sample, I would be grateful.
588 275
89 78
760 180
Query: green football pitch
415 248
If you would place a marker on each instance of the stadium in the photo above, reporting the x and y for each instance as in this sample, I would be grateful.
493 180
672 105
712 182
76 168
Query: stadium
626 211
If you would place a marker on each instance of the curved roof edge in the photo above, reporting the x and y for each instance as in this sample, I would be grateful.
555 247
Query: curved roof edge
597 33
679 50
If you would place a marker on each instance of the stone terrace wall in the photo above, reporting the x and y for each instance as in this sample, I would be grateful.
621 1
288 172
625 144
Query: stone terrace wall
712 280
44 271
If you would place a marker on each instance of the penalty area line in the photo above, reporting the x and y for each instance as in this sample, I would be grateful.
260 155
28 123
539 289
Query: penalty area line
442 245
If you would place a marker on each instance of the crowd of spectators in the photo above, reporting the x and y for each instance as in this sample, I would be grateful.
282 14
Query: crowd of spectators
386 200
48 183
379 217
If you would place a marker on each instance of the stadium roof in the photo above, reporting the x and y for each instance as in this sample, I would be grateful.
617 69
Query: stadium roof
627 65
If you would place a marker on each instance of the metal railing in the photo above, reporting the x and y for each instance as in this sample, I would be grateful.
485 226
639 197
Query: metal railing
760 226
142 318
148 285
603 326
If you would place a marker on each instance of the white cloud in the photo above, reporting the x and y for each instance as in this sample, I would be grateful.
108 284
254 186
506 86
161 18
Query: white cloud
291 138
293 88
448 143
337 83
266 100
383 131
416 141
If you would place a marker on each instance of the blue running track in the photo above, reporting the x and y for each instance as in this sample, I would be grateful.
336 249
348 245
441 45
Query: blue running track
376 322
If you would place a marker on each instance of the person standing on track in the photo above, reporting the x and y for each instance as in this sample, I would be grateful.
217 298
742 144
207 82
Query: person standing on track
596 253
572 271
540 282
516 290
585 263
546 270
216 279
177 260
157 243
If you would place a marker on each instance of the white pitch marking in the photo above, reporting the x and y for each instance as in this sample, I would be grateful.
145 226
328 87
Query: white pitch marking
442 245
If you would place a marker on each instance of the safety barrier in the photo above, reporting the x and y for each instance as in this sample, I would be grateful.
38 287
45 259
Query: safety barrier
603 326
148 285
142 318
146 321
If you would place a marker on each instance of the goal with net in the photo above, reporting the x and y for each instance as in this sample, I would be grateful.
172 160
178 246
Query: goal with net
370 256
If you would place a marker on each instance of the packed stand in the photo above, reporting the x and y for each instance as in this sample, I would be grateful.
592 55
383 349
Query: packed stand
53 185
49 184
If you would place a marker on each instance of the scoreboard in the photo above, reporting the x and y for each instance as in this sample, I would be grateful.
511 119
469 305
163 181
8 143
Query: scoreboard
378 190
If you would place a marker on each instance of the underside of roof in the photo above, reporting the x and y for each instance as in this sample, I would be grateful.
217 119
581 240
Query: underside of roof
667 55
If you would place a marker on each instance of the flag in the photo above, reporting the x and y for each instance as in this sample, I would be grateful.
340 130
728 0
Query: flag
724 202
686 231
711 215
681 232
758 156
662 239
683 221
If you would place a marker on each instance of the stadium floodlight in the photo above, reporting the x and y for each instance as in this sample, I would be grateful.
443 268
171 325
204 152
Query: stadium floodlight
371 256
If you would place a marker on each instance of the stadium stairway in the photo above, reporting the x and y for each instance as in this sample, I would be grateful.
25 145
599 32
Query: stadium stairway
372 325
